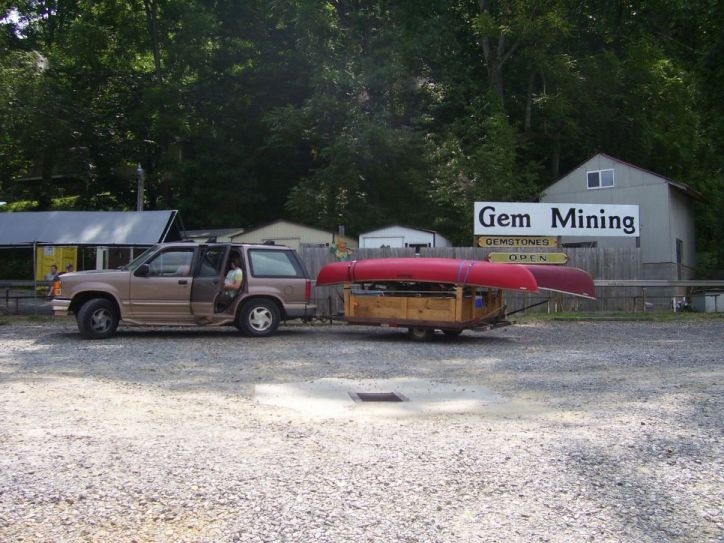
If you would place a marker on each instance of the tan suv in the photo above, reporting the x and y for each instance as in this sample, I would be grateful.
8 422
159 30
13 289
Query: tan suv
183 284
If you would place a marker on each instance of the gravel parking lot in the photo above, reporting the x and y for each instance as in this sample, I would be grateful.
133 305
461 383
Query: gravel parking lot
544 431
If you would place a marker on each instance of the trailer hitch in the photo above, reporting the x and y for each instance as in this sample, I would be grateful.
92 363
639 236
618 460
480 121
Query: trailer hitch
526 307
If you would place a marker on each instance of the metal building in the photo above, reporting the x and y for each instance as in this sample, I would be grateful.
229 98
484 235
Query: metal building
288 233
666 211
401 236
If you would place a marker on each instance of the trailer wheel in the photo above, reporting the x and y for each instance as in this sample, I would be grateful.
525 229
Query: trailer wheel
451 332
420 334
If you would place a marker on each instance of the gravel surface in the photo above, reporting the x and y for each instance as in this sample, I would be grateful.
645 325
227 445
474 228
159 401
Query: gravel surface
544 431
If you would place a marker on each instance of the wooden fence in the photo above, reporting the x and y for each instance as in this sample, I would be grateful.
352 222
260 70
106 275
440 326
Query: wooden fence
616 272
602 264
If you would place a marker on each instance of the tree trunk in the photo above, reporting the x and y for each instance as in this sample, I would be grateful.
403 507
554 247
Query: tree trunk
556 155
528 122
495 56
152 19
45 189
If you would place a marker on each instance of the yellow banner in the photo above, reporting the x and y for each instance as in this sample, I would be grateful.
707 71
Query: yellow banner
529 258
517 241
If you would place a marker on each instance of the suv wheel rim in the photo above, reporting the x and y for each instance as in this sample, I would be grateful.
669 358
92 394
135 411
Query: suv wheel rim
260 318
101 320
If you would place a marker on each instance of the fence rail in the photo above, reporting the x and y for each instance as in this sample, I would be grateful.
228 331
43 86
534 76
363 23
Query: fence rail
616 272
659 283
16 291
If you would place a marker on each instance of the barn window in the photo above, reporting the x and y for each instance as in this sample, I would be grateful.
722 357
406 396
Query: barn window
600 179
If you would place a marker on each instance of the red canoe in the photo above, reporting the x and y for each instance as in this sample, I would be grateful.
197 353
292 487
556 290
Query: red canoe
528 278
561 279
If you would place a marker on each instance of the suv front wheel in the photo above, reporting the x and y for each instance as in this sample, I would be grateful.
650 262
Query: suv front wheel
97 319
258 318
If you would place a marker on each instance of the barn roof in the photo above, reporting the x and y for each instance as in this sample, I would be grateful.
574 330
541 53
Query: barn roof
121 228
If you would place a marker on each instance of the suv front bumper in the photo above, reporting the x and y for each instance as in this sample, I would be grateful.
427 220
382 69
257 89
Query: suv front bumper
60 307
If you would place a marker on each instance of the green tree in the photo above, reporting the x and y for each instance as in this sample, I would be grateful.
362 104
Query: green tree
366 161
354 113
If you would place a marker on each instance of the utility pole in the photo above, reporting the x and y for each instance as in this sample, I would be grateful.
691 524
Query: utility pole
139 195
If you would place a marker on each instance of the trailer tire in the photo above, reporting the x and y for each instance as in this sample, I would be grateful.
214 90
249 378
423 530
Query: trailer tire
451 332
420 334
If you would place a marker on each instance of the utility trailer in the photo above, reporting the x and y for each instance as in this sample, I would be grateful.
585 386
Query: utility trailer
447 294
450 308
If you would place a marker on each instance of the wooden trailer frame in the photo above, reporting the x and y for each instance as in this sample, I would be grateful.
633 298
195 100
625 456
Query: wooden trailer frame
449 308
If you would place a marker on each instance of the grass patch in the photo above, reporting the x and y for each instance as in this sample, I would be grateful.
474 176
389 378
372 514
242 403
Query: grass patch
21 319
604 317
650 316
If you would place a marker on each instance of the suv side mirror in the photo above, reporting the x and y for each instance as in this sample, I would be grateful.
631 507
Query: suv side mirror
142 270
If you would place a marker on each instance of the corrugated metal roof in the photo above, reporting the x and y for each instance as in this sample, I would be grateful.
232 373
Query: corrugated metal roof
126 228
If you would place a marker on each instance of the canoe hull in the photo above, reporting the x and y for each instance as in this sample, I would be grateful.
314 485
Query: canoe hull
563 279
429 270
519 277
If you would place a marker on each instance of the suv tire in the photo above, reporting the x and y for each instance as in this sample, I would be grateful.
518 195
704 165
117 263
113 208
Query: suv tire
258 318
97 319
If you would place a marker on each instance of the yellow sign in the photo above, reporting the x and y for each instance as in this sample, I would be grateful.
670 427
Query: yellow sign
529 258
49 255
517 241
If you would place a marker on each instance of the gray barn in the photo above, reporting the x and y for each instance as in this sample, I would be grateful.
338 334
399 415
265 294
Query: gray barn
667 241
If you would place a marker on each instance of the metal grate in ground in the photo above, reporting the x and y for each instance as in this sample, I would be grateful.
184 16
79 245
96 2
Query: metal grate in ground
378 397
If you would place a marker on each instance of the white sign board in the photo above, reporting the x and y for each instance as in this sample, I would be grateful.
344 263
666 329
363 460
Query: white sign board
554 219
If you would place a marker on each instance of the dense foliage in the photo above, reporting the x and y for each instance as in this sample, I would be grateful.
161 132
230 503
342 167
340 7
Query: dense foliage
353 112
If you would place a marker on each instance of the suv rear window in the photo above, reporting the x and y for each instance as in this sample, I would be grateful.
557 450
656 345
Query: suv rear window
270 263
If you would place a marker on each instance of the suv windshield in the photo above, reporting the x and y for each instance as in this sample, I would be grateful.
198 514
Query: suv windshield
140 258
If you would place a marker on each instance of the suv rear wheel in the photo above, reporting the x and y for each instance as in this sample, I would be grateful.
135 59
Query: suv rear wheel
258 318
97 319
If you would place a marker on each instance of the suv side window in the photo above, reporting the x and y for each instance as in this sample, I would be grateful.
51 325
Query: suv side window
271 263
173 262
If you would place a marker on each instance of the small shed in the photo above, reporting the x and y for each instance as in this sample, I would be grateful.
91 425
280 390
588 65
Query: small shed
288 233
708 302
401 236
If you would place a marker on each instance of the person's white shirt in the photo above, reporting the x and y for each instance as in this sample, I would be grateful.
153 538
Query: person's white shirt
232 282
